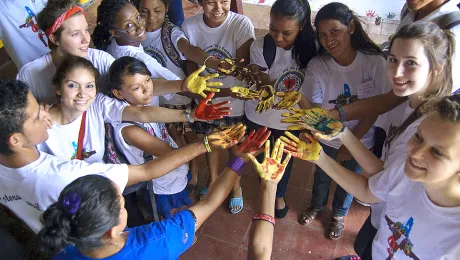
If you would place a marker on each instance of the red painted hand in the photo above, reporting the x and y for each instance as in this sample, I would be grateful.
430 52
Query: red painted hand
206 111
255 140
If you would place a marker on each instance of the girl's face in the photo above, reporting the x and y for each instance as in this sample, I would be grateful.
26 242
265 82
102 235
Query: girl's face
284 31
78 90
154 12
74 38
433 157
408 68
335 37
137 89
215 11
129 25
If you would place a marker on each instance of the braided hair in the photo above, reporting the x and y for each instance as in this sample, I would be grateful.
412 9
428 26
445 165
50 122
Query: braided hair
106 13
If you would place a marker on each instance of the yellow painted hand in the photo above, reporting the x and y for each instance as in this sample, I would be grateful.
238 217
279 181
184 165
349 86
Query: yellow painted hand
227 66
267 98
299 149
195 83
245 93
289 99
271 169
227 138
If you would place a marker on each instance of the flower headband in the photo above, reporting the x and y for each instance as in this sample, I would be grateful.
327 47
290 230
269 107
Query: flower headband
61 19
70 203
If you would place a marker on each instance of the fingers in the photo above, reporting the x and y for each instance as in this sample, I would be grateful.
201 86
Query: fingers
197 72
267 149
288 142
260 132
277 152
295 127
214 84
292 137
211 89
286 160
210 76
310 137
218 105
208 97
251 135
201 93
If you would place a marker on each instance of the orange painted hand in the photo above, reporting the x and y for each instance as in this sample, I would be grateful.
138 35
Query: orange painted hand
206 111
299 149
226 138
289 99
195 83
254 141
271 169
267 98
245 93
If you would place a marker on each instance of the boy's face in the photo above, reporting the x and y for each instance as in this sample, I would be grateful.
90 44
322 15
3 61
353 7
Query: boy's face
433 152
154 12
216 10
415 5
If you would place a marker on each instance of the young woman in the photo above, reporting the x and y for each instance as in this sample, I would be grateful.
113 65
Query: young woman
222 34
96 204
420 189
291 42
350 67
79 117
67 30
140 142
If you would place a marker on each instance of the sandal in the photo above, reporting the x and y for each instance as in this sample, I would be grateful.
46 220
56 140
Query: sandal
203 191
236 202
349 257
336 226
281 213
308 215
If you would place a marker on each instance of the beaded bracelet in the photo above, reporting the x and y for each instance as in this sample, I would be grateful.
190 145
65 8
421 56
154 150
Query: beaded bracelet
264 217
206 144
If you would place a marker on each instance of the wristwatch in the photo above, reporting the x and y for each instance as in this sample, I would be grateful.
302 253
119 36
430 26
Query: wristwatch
187 114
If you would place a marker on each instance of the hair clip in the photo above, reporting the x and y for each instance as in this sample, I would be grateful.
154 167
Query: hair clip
70 203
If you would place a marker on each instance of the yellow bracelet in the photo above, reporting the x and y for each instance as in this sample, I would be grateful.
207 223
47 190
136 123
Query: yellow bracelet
206 144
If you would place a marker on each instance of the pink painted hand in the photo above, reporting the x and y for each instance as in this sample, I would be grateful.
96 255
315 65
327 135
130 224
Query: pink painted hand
299 149
227 138
206 111
271 168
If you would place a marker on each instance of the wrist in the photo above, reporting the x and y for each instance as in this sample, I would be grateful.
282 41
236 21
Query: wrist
334 113
213 63
268 185
237 164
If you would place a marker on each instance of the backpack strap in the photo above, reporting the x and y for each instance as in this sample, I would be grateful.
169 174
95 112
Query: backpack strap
404 12
168 46
448 21
269 50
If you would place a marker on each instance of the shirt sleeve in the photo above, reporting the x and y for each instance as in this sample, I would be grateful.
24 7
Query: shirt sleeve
380 79
312 86
111 109
155 68
256 53
381 183
176 35
244 32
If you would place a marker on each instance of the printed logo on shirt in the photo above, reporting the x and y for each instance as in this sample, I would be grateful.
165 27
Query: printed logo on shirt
13 198
290 80
157 55
345 97
84 154
218 52
30 21
399 240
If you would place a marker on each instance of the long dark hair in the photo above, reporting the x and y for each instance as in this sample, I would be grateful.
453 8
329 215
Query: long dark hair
125 66
106 13
359 39
305 44
86 209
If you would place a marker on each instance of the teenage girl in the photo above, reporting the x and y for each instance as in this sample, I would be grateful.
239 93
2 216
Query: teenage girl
350 67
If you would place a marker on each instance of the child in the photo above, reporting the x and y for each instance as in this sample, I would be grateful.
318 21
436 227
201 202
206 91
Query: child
141 142
222 34
421 216
350 67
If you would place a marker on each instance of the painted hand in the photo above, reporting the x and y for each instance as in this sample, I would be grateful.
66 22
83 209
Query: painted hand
206 111
267 98
195 83
255 140
226 138
299 149
237 69
289 99
245 93
271 169
316 120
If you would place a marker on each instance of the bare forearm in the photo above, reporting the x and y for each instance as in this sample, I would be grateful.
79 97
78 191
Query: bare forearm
370 107
148 114
162 86
304 103
370 163
197 55
217 193
164 164
261 233
355 184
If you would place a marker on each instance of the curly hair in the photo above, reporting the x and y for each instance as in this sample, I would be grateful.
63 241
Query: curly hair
106 14
13 106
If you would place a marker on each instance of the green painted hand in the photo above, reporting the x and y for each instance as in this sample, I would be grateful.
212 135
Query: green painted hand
195 83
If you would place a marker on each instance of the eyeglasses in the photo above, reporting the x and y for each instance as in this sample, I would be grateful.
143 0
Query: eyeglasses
140 20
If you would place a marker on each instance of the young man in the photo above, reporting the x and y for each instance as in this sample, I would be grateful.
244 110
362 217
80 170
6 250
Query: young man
30 180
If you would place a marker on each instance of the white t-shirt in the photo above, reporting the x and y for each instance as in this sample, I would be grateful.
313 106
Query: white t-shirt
30 190
63 139
171 183
154 47
411 221
19 31
285 75
39 73
326 81
446 8
221 42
